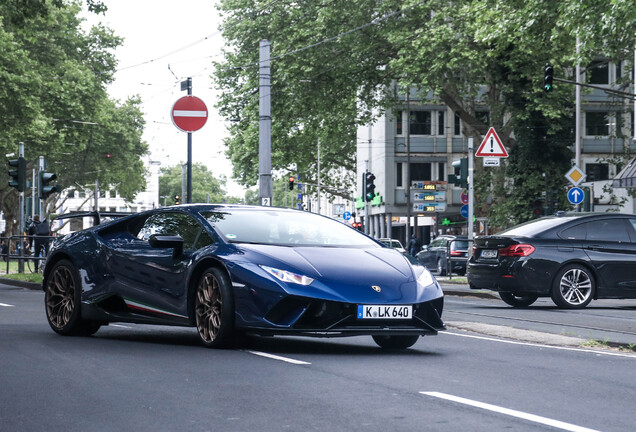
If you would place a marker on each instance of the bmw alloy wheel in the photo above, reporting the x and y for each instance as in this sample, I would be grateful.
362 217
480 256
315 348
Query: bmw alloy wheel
573 287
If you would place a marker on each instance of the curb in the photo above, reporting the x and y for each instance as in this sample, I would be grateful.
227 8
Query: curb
21 284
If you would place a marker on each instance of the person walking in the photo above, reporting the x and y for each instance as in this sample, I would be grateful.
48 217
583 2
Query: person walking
39 232
414 245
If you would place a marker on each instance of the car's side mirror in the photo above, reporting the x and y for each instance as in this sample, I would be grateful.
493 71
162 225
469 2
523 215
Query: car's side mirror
167 241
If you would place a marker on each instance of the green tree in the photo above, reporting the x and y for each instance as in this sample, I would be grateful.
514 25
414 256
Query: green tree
54 99
205 187
334 63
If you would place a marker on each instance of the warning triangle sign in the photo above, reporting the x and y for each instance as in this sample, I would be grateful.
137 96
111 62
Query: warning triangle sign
491 146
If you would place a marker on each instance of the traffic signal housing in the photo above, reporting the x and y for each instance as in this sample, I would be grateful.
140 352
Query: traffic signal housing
537 208
177 200
460 178
44 188
18 174
291 183
369 186
548 77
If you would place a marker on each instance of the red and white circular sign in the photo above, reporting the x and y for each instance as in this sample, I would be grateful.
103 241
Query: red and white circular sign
189 114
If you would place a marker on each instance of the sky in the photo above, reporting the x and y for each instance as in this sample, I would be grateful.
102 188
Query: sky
165 42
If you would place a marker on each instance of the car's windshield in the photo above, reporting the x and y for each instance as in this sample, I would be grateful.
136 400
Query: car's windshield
287 228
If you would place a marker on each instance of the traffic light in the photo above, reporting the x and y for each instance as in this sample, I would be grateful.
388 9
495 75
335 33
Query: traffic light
177 200
548 77
291 183
18 175
357 225
460 178
369 187
44 188
537 208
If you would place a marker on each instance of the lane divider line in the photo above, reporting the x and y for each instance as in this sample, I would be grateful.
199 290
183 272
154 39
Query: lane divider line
280 358
510 412
6 305
598 352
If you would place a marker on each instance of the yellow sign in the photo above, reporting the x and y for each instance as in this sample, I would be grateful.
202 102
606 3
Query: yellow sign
575 175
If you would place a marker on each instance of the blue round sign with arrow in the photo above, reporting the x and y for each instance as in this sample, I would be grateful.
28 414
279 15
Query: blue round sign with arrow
576 195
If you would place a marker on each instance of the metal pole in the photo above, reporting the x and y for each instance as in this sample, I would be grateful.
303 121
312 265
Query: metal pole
21 217
264 125
189 174
39 201
577 113
364 196
184 175
471 190
408 167
96 197
318 176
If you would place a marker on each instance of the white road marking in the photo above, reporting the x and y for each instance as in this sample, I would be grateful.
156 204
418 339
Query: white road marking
598 352
119 325
6 305
275 357
510 412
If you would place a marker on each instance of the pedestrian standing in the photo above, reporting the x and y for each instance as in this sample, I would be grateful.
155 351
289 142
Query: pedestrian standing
39 232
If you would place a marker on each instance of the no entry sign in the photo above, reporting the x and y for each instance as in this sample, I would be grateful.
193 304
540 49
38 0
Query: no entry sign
189 114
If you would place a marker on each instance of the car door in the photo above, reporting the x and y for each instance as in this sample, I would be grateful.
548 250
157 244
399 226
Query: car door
156 276
611 246
428 255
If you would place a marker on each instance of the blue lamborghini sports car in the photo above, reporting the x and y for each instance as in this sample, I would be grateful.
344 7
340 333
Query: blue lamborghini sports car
230 270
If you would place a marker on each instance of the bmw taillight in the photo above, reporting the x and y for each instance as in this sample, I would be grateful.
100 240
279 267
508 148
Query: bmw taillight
518 250
457 253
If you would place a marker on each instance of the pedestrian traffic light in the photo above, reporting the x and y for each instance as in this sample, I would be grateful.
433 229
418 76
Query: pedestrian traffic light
291 183
44 188
460 178
548 77
369 187
177 200
18 174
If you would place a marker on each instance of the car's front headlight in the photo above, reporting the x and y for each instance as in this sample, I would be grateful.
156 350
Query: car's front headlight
287 276
426 278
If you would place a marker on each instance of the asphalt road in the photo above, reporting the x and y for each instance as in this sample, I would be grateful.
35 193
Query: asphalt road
147 378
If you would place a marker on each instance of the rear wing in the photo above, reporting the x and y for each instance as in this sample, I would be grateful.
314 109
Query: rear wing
96 215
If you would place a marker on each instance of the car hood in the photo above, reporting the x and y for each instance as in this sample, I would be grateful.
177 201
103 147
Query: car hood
347 274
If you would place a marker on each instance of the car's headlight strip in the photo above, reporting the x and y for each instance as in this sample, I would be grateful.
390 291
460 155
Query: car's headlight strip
287 276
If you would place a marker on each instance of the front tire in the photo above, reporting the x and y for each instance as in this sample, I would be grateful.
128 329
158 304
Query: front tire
518 300
62 300
573 287
214 309
395 342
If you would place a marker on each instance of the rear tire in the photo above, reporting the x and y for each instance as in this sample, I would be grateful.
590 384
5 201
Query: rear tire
62 300
573 287
440 268
395 342
518 300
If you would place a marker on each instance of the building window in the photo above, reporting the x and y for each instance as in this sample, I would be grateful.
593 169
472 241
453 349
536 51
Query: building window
77 224
71 194
441 127
596 172
596 123
398 123
441 168
420 172
483 116
598 72
457 125
398 175
102 194
420 123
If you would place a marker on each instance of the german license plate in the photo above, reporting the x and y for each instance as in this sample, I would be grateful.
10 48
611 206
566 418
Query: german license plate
385 312
489 253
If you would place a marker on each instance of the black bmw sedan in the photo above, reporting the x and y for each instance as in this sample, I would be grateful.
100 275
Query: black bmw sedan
571 257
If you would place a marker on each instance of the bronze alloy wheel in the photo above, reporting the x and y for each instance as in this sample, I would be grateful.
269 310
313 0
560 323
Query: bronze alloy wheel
214 309
208 308
60 297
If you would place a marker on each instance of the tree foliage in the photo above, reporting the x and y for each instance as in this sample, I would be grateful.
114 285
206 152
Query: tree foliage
54 99
205 187
334 62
